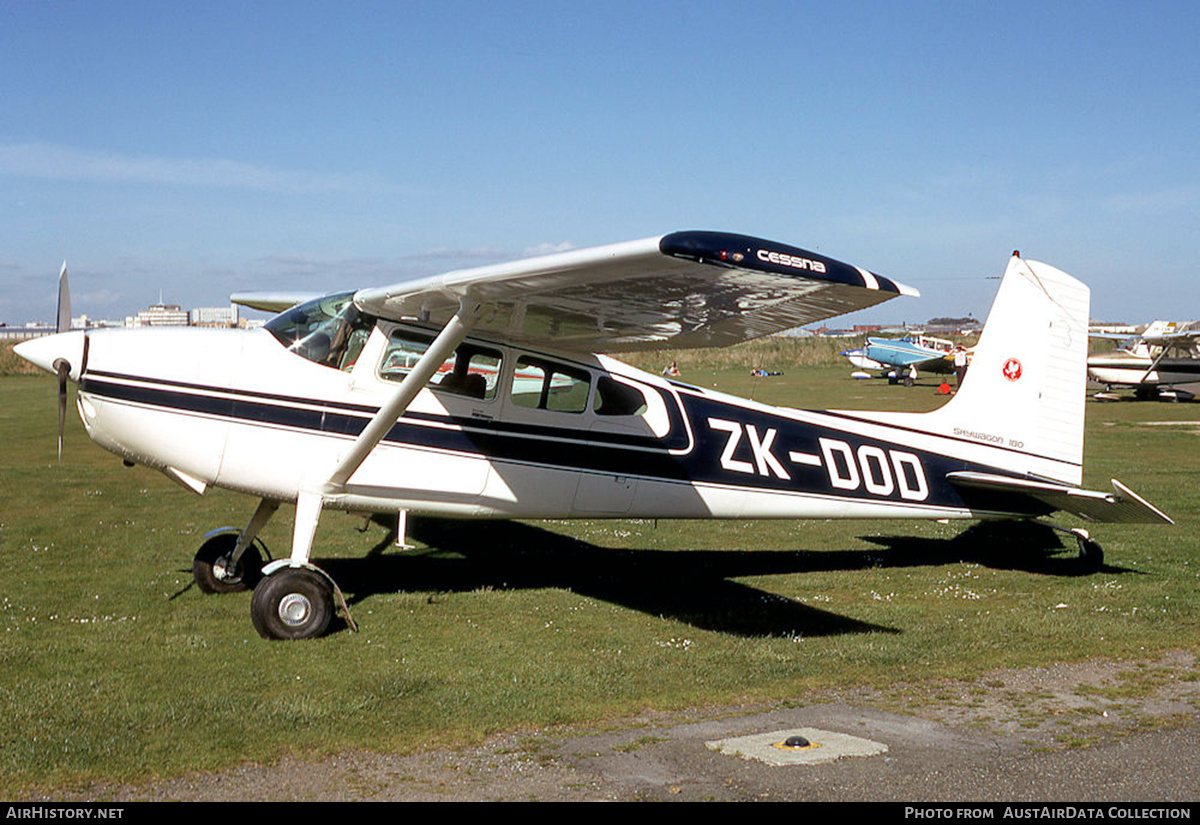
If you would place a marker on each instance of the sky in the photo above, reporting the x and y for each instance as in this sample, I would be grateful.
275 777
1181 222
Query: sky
191 150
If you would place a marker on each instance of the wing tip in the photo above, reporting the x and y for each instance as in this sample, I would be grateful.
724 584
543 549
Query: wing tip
751 252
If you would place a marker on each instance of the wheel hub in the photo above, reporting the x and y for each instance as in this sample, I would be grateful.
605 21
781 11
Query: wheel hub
294 609
224 569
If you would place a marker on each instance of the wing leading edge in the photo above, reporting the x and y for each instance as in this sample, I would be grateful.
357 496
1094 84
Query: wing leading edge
683 290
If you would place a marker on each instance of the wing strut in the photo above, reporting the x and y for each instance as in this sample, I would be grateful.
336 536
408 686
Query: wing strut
310 502
443 346
1154 364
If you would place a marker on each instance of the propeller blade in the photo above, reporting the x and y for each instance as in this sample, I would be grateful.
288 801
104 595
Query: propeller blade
64 301
62 369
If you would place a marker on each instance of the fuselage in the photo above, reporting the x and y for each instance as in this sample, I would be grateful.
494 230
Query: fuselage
1130 369
538 435
931 354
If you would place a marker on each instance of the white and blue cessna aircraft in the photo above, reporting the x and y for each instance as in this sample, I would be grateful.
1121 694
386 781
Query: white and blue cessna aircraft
476 394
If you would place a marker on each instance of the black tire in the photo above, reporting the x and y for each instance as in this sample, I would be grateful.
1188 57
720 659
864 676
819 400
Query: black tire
245 576
1091 554
292 603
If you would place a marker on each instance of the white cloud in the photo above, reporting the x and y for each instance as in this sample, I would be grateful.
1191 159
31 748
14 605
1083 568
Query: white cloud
56 162
547 249
477 253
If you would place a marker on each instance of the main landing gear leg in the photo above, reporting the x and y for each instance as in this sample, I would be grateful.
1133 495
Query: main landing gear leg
296 599
229 561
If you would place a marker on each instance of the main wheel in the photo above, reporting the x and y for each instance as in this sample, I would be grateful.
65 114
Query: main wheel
293 603
211 569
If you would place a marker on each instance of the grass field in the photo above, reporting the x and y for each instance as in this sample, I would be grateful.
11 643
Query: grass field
113 666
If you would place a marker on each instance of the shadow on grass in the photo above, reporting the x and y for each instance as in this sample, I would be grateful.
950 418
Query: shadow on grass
691 586
688 586
1005 545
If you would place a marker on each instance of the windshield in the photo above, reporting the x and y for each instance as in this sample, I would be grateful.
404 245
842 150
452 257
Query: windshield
329 331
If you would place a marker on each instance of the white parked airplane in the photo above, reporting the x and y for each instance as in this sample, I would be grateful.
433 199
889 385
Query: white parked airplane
474 394
1163 362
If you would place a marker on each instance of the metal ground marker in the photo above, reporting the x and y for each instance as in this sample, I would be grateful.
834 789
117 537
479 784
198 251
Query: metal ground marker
773 748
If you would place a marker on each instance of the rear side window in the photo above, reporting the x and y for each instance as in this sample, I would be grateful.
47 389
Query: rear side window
547 385
615 398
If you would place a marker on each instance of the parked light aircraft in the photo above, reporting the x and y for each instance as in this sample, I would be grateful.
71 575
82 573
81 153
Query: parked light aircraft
1163 362
898 359
475 394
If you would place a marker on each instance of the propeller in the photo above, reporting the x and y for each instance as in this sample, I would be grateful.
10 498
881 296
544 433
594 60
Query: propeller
64 354
64 301
62 367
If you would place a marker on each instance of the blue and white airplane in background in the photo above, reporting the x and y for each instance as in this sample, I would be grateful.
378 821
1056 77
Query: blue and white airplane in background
476 394
899 359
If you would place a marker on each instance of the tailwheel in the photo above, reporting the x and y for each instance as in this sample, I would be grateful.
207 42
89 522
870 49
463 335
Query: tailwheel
1090 551
214 570
292 603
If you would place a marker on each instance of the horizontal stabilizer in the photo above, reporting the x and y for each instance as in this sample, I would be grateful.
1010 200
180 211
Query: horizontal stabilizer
1121 505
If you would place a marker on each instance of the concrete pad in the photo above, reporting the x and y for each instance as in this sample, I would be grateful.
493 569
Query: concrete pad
824 746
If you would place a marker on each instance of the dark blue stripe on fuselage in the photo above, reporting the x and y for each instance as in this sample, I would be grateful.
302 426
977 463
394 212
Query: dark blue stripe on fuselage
591 451
790 435
617 453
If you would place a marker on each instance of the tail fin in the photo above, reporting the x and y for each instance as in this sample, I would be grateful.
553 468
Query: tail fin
1025 389
1027 378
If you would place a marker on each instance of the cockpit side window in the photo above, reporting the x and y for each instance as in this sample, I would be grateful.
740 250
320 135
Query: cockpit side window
329 331
472 370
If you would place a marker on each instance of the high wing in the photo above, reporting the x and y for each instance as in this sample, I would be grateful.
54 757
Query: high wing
1177 335
682 290
1158 334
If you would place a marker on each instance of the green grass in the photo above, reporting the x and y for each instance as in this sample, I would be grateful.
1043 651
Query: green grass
10 364
114 667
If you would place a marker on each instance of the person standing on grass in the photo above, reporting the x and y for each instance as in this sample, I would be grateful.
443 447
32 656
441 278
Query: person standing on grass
960 363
